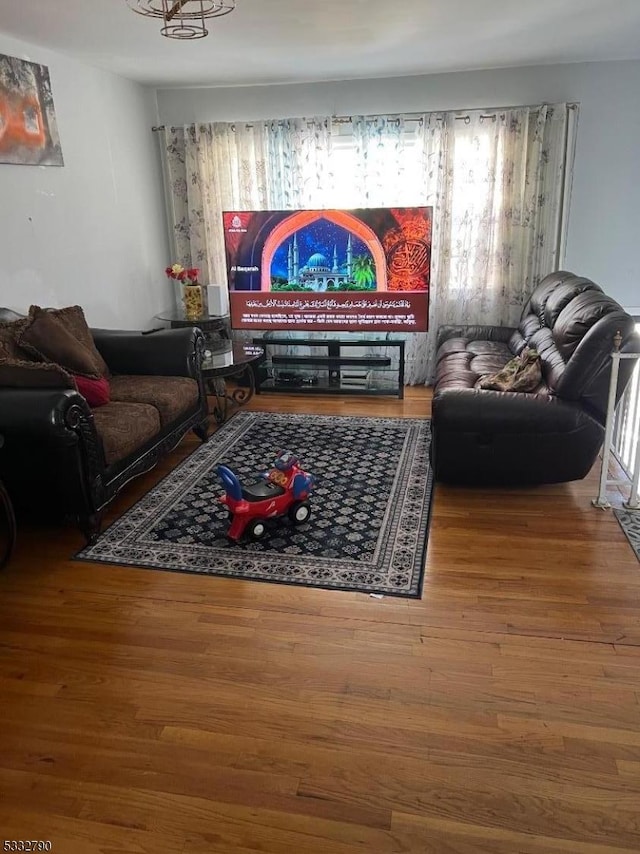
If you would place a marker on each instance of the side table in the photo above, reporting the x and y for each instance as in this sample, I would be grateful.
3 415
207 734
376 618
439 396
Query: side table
216 328
236 361
6 547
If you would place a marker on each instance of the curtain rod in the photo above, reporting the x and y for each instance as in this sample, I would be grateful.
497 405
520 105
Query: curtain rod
489 113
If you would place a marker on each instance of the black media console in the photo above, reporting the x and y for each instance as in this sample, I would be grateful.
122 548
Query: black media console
331 368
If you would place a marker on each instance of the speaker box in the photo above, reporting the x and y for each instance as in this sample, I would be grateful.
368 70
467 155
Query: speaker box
217 299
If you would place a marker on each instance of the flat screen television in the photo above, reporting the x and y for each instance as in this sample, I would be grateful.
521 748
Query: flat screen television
364 270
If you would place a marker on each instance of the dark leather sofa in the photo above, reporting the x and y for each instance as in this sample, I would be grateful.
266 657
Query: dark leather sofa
552 434
64 459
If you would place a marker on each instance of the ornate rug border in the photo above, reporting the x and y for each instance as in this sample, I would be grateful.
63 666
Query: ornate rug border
626 518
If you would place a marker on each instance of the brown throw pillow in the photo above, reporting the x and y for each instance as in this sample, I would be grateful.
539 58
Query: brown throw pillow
72 317
19 374
9 333
49 340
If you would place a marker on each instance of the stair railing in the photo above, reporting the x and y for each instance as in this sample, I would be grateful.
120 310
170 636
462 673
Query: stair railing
622 432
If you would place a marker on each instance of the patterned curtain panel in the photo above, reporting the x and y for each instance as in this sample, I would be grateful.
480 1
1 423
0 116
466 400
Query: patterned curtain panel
500 216
382 151
299 163
394 165
500 188
300 176
498 182
208 169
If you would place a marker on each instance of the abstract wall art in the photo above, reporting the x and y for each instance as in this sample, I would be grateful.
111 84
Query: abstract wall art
28 127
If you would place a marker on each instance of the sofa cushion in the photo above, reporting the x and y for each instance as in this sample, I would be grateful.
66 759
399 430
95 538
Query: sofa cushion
462 363
17 373
49 340
533 312
171 396
19 369
452 345
124 428
72 318
563 295
9 347
553 293
577 318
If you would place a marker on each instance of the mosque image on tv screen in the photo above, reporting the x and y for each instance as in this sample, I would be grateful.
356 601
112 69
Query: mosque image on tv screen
351 266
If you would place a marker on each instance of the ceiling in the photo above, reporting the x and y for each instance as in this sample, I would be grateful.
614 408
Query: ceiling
286 41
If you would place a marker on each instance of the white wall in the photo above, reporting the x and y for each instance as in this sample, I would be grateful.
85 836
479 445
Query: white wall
92 232
604 225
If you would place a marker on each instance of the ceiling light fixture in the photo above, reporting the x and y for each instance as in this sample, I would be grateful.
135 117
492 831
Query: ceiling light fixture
183 19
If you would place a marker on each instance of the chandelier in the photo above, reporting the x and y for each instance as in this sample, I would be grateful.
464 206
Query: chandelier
183 19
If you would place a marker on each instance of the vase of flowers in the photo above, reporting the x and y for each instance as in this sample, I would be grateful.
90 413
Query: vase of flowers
192 290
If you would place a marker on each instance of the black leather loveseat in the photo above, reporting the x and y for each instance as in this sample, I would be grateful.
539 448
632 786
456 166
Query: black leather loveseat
552 434
65 458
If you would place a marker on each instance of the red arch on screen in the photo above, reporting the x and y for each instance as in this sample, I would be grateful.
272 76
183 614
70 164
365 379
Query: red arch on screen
344 219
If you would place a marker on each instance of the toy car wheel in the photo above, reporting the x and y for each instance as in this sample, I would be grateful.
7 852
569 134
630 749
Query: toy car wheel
299 512
256 529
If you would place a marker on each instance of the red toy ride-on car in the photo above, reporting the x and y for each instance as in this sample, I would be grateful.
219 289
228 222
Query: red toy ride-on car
284 489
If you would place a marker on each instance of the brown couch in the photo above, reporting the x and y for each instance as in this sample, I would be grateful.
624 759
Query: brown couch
63 457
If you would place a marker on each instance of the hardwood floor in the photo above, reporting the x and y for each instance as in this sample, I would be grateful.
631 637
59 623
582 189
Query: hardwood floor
147 712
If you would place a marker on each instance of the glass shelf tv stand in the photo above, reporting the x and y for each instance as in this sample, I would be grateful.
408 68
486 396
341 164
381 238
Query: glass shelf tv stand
330 366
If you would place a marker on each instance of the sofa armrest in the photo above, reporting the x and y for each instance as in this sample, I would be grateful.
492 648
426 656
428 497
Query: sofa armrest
164 352
483 411
53 460
475 333
43 414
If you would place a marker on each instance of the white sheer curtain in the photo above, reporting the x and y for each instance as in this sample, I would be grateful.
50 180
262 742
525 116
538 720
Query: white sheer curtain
300 157
208 169
393 165
498 182
501 198
501 212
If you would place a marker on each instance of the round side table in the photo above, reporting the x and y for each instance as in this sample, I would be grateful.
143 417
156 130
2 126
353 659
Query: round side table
236 361
216 328
6 548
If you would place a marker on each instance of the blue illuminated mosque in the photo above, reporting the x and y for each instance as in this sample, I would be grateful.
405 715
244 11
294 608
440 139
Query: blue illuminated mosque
318 273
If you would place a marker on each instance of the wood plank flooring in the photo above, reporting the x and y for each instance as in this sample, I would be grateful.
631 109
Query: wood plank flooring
147 712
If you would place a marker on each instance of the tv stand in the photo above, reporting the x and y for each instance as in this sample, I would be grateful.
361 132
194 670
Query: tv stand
335 370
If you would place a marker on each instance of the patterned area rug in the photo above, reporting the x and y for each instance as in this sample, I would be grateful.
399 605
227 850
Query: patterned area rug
630 523
370 509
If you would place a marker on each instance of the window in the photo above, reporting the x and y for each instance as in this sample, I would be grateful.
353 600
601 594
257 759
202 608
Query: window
393 173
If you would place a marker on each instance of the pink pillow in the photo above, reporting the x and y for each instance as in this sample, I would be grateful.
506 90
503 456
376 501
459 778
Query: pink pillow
96 392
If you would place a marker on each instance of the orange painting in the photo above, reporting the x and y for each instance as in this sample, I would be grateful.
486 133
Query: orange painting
28 127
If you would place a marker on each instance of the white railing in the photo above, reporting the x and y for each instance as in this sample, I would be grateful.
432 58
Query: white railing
626 433
622 433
